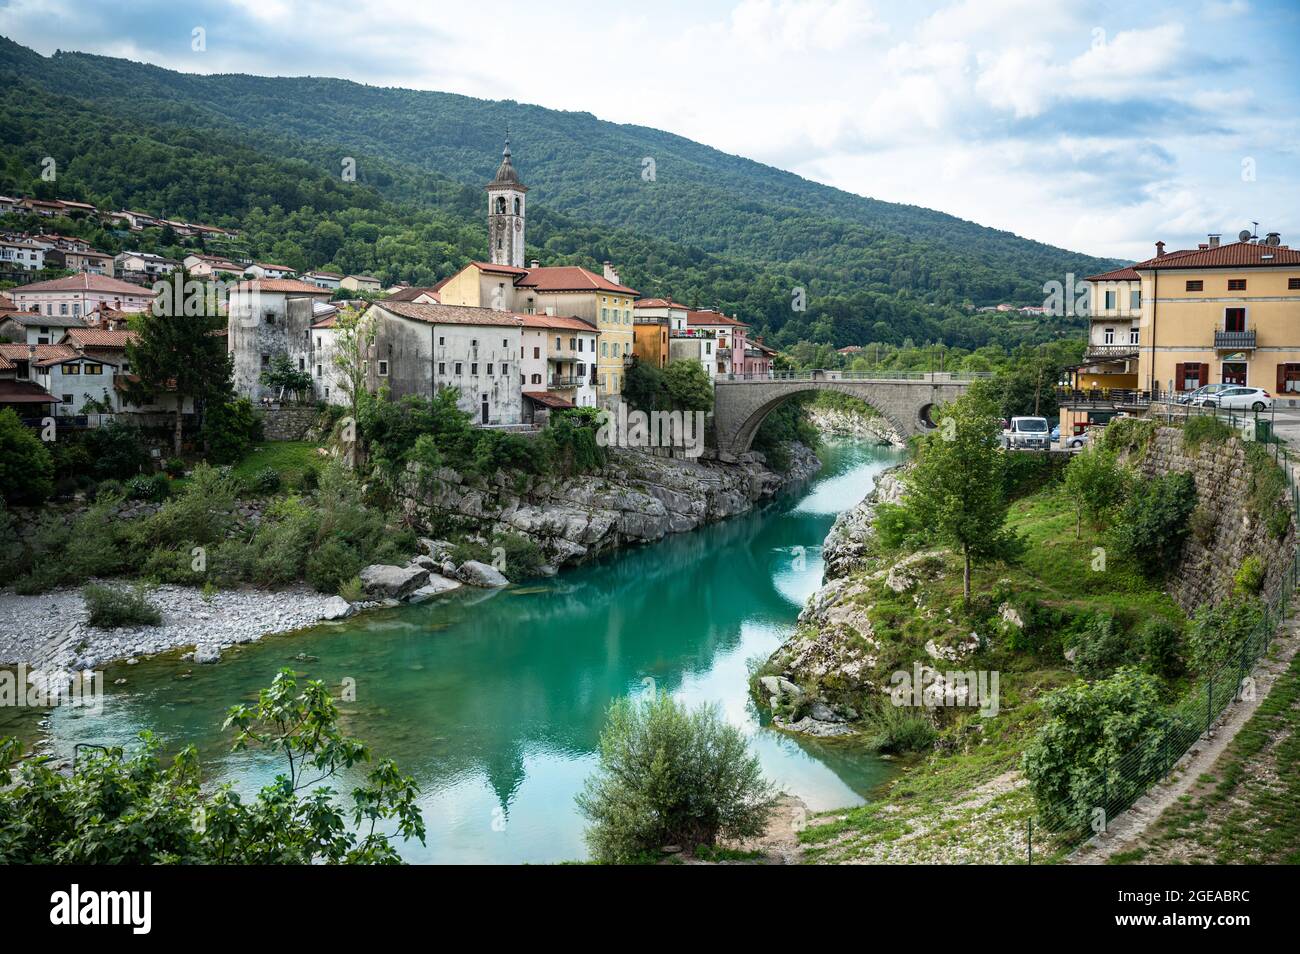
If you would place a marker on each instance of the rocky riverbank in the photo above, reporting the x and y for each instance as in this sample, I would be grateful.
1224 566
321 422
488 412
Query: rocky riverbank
50 631
637 499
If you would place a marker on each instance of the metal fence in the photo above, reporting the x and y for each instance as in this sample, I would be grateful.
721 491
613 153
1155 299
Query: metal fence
1114 787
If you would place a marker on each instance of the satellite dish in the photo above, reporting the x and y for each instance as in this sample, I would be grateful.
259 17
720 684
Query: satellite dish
1274 239
1243 235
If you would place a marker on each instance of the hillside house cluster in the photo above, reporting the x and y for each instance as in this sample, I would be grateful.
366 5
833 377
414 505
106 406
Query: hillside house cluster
515 339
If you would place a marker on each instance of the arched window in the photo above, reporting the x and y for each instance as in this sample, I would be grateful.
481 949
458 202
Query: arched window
516 205
501 205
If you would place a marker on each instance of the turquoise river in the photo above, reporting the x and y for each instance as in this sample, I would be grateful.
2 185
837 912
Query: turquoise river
494 700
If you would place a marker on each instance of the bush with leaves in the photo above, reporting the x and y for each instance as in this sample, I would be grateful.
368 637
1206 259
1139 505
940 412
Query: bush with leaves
1102 646
116 451
1217 633
116 808
26 465
519 557
110 608
230 429
670 775
1161 645
1095 485
1154 521
151 487
1071 760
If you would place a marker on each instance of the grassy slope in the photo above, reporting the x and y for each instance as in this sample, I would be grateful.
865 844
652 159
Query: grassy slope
965 802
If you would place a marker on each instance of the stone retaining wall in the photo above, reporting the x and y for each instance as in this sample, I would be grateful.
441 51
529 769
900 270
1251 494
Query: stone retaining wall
289 422
1223 484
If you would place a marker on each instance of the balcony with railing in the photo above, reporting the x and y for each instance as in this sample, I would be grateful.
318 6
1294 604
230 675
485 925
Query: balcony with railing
1110 352
1234 340
564 382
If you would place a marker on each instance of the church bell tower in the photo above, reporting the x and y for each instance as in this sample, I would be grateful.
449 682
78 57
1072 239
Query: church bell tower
506 214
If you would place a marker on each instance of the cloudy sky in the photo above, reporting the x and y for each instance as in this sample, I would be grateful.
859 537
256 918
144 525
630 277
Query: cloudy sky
1098 126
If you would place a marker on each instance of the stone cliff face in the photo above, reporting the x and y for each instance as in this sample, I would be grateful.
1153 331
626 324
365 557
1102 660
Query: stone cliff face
1226 530
637 498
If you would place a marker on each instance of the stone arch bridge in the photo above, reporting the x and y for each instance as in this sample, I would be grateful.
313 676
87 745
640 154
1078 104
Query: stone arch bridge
905 399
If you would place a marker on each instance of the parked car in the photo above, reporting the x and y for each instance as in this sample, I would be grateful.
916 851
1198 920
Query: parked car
1200 394
1029 433
1056 433
1078 441
1237 398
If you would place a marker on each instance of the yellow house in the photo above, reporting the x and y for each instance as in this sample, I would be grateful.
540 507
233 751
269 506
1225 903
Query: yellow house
1221 314
566 290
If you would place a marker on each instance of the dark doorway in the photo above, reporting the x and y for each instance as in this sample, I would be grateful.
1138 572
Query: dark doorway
485 409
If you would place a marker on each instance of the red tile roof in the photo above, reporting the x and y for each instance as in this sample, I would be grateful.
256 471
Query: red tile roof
98 338
657 303
24 392
1232 255
410 293
85 281
448 314
490 267
556 321
286 286
548 400
44 353
1125 274
711 318
569 278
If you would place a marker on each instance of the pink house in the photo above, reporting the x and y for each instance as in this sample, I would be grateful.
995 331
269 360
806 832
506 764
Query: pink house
732 338
78 295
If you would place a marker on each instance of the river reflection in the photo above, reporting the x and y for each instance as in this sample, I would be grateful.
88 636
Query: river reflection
494 700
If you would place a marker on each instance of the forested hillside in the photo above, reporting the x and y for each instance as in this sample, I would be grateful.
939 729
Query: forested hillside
265 155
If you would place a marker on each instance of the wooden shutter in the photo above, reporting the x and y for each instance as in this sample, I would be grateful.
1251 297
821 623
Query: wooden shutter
1204 377
1281 379
1178 377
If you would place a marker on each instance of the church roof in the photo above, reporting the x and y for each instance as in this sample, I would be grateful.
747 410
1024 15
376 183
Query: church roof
506 175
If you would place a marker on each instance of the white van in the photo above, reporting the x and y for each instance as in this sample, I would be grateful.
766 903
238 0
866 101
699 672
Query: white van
1029 433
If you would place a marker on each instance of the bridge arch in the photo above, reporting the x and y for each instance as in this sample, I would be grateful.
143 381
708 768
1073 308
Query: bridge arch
741 404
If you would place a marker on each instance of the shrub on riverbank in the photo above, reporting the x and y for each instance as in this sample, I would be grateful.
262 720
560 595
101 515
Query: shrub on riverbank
195 538
115 808
669 775
110 608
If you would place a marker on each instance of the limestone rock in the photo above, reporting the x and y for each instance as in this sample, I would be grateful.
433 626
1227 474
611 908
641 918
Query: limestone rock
337 608
481 574
392 582
436 586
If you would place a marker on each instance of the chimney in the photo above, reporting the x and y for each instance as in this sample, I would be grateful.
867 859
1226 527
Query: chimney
610 274
1160 249
1214 240
534 264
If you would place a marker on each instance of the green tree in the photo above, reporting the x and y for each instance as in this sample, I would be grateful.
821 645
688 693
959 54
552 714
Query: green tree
285 378
120 809
1094 484
688 386
180 355
669 775
353 339
26 465
956 486
645 386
